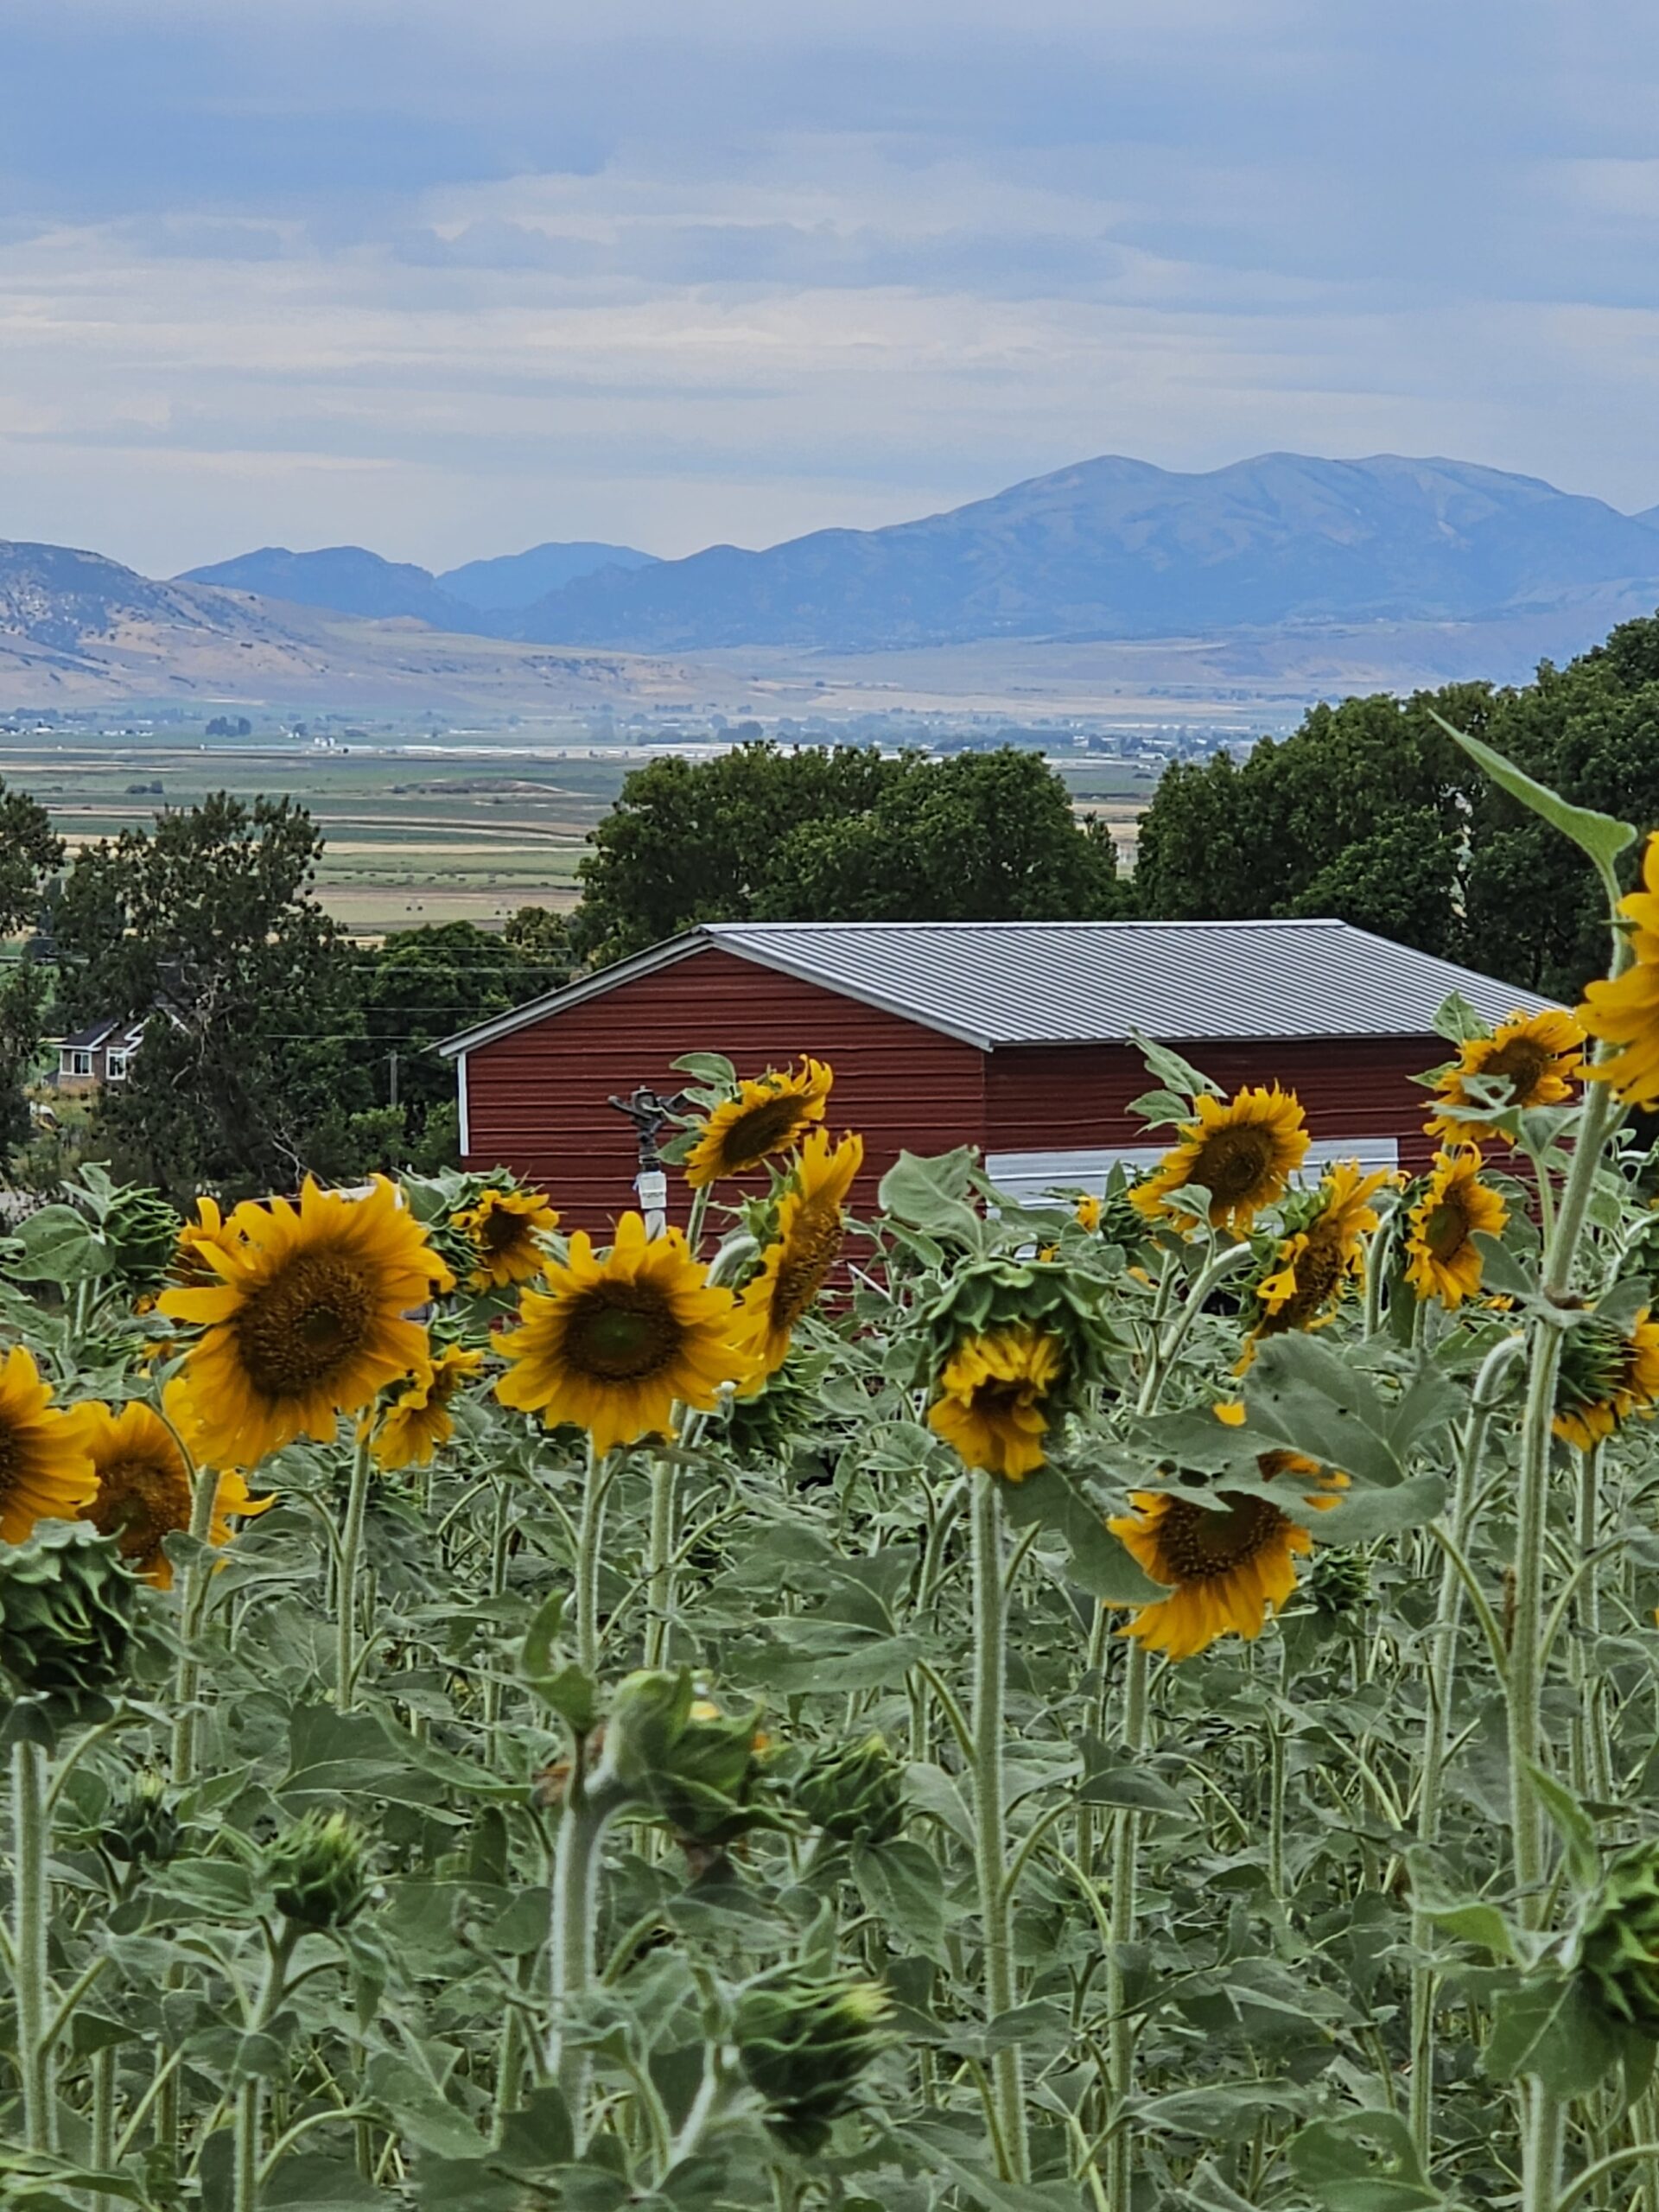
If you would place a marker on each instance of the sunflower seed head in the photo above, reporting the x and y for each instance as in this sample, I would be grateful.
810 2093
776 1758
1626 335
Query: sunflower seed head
854 1792
804 2042
1618 1940
318 1870
67 1614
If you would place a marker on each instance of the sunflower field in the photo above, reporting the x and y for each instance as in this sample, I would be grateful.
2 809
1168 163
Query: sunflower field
1146 1700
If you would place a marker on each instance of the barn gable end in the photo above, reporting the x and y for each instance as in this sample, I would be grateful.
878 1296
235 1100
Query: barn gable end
536 1097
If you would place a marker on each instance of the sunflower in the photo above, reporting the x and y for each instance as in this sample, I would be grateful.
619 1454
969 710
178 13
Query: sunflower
45 1469
1607 1374
206 1233
769 1114
1087 1212
794 1267
1244 1152
306 1320
418 1420
1625 1009
1541 1055
990 1398
145 1486
1312 1266
612 1341
502 1229
1230 1561
1441 1258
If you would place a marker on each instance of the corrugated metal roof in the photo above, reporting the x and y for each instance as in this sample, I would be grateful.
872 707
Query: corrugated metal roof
1004 983
999 983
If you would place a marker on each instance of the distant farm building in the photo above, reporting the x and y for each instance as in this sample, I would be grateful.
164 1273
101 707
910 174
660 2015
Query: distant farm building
1011 1036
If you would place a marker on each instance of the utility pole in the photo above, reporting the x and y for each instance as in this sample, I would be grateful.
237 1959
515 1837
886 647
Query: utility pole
650 1116
391 1080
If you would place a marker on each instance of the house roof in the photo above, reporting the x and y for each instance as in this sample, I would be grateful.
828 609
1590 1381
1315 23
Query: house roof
996 984
113 1029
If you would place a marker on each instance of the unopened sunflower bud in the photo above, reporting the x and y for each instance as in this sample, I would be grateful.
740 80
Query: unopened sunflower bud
1618 1940
67 1612
1339 1584
142 1829
142 1232
317 1871
703 1771
804 2043
854 1792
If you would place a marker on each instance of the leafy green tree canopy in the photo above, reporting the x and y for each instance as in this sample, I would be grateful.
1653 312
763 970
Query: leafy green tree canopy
838 833
207 924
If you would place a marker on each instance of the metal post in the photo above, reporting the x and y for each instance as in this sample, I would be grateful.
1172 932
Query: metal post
650 1116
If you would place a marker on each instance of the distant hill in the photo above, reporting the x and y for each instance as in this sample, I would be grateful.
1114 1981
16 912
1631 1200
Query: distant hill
75 628
1117 548
348 579
514 580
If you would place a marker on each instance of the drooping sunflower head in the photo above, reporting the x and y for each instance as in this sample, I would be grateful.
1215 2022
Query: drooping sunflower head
46 1467
306 1318
1624 1010
502 1231
1087 1211
1243 1151
417 1419
145 1489
1313 1266
611 1341
797 1264
771 1113
991 1397
1229 1561
1607 1373
1539 1056
1442 1258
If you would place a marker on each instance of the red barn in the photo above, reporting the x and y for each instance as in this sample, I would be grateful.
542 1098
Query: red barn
1012 1036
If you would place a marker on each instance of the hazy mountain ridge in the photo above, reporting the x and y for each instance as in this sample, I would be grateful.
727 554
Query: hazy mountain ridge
1116 547
351 580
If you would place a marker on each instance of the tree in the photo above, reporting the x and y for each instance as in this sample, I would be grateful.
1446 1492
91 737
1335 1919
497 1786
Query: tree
29 851
837 833
1362 813
423 985
984 836
250 1068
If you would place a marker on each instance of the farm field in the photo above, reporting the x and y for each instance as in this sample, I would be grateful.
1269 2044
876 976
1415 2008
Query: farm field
444 833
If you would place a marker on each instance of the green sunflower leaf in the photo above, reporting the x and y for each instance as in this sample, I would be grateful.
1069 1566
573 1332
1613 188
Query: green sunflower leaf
1603 836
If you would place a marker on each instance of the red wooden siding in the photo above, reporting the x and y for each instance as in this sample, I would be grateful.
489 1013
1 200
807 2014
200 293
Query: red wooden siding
536 1099
1074 1097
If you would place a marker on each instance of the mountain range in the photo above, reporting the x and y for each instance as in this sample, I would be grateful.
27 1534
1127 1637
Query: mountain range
350 579
1111 548
1405 563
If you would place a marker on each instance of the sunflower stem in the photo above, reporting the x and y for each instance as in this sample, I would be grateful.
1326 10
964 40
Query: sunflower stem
250 2095
192 1606
572 1929
31 1923
1220 1264
990 1838
1489 1385
590 1536
1379 1254
350 1554
660 1577
696 1216
1120 2159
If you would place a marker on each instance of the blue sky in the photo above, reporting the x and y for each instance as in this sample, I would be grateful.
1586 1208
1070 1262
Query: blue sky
449 276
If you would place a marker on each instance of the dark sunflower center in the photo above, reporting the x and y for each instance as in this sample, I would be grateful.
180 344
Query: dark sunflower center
444 1385
621 1332
1198 1543
1001 1398
814 1241
501 1230
1447 1230
305 1324
1234 1163
11 1453
138 1502
1523 1061
1319 1277
760 1130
